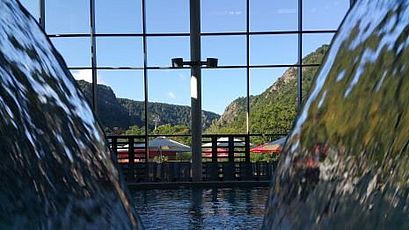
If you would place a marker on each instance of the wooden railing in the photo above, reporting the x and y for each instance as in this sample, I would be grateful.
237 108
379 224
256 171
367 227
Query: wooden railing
225 158
181 171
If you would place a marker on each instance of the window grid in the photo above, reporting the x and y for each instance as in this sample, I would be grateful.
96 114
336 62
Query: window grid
145 35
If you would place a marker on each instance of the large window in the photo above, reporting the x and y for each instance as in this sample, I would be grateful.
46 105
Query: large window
260 46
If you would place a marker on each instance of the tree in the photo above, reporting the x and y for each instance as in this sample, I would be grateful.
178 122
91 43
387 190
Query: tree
135 130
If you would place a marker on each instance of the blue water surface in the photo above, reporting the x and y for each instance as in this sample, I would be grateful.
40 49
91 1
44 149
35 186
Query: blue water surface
201 208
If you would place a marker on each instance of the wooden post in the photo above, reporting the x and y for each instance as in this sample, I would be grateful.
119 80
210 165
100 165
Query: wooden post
131 159
214 148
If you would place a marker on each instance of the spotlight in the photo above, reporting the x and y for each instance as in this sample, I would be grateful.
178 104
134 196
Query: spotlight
211 62
177 62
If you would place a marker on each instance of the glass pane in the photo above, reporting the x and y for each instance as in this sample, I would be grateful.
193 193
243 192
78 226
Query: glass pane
122 17
162 49
309 74
167 16
223 16
262 79
75 51
120 102
273 49
222 88
120 51
324 14
32 7
272 105
315 46
169 99
67 16
229 50
267 15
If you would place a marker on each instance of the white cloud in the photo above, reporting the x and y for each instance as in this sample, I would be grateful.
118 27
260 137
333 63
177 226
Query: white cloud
287 11
171 95
226 12
232 12
86 75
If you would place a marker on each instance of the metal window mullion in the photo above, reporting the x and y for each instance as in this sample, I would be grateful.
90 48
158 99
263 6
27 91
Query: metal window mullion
93 56
145 78
41 20
247 151
299 70
168 67
210 34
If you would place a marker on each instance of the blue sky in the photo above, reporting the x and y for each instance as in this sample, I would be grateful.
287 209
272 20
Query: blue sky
219 86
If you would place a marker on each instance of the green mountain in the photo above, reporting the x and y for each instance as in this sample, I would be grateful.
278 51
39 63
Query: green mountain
121 113
274 110
167 113
110 112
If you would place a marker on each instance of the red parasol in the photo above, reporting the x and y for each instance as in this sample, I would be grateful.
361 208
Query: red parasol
274 147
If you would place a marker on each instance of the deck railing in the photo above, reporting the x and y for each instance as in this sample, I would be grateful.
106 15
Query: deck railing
225 158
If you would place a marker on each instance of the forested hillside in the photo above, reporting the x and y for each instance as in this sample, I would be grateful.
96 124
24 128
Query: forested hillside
275 108
121 113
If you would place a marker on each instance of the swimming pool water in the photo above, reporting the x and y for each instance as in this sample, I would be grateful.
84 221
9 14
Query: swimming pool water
200 208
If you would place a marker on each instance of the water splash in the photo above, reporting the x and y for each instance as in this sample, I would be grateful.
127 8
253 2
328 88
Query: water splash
56 171
346 160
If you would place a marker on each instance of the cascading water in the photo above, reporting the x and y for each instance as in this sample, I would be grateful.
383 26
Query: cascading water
55 170
346 162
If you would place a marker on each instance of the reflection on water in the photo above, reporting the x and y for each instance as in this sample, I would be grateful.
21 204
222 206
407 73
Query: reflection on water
346 161
55 170
223 208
